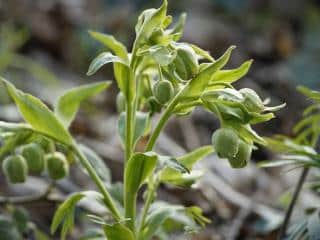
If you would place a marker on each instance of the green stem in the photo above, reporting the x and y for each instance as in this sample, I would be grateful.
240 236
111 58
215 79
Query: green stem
162 122
150 196
108 201
150 145
129 130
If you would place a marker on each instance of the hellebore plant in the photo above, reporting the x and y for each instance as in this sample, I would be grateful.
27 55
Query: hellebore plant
160 75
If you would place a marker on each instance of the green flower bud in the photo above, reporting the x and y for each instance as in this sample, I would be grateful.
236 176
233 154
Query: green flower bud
186 62
121 102
242 157
163 91
57 165
34 156
251 100
153 105
15 169
225 142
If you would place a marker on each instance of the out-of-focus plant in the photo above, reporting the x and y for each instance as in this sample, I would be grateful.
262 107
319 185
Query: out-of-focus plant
300 152
11 40
159 75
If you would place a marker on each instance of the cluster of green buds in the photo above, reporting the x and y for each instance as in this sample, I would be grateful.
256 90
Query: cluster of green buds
237 110
33 158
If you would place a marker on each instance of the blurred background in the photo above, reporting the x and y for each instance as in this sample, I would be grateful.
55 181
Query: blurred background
45 48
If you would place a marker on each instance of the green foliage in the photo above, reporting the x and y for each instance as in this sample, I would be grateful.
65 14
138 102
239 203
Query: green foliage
65 212
159 75
68 104
300 152
38 115
11 39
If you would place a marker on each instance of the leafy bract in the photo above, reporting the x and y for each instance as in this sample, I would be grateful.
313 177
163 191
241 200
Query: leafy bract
118 231
69 103
177 29
232 75
138 169
65 213
111 43
148 21
103 59
122 72
38 115
198 84
191 158
161 212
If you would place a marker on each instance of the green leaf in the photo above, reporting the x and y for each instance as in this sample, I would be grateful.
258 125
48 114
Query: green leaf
142 125
139 167
176 178
279 163
171 163
38 115
191 158
97 163
196 214
148 21
65 213
122 73
315 95
161 213
103 59
69 103
198 84
232 75
110 42
202 53
158 215
178 28
118 231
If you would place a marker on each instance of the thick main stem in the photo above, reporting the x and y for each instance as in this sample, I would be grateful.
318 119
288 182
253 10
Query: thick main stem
294 199
107 199
129 125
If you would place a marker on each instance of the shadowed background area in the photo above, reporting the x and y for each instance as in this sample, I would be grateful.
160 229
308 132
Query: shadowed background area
45 48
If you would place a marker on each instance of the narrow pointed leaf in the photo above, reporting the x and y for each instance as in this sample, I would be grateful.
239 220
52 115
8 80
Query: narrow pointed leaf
118 231
198 84
191 158
103 59
232 75
68 104
111 43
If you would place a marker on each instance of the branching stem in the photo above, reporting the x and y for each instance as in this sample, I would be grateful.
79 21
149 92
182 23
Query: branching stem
108 201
